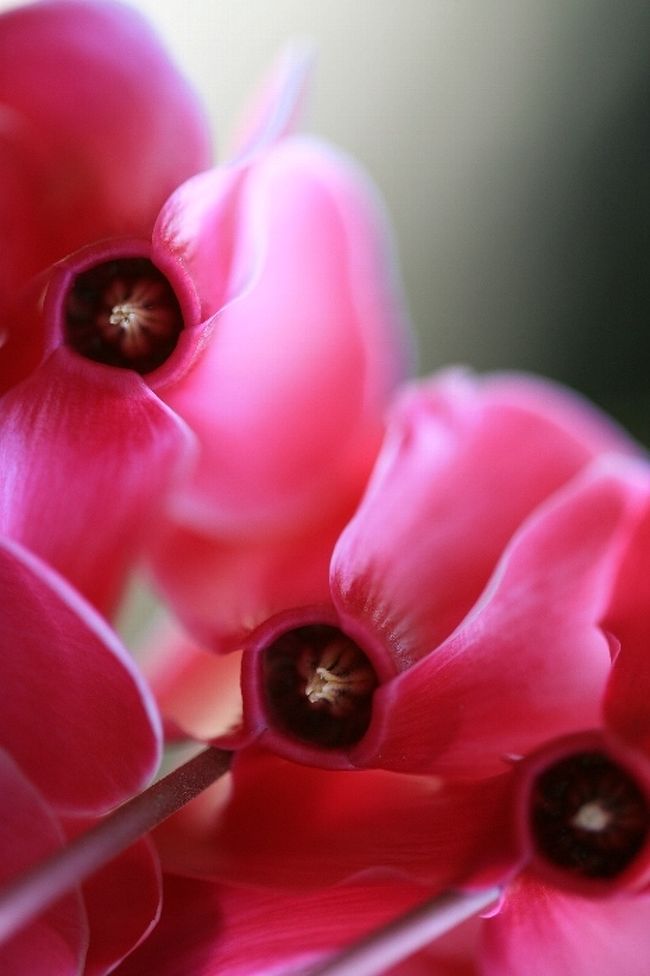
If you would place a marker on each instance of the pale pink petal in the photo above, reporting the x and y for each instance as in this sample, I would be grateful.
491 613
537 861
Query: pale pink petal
222 588
291 827
305 351
465 460
628 690
123 902
75 715
105 123
55 944
208 930
196 690
530 661
543 932
87 453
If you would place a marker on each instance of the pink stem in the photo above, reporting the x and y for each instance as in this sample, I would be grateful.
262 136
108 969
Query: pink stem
405 935
27 896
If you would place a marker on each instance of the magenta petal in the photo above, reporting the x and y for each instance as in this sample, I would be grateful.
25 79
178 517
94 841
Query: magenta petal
530 661
465 461
107 126
74 714
543 932
86 453
304 354
209 930
324 827
55 944
628 690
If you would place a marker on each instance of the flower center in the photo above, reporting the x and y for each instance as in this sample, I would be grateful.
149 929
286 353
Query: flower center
318 685
588 815
123 313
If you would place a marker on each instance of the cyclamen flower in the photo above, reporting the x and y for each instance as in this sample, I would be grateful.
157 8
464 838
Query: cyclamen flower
79 733
251 306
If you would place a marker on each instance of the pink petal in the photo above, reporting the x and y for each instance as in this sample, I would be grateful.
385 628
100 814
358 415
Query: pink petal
86 453
530 662
628 690
323 827
306 348
55 944
123 902
542 932
207 930
75 715
198 691
106 125
465 461
223 588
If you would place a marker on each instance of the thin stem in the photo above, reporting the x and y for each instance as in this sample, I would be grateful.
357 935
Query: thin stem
405 935
24 898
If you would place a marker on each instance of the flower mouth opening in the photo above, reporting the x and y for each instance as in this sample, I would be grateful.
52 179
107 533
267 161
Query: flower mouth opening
588 816
318 685
123 312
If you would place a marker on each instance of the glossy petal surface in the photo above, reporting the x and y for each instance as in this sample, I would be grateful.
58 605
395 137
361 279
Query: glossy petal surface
530 661
86 454
465 461
55 944
64 676
542 932
98 128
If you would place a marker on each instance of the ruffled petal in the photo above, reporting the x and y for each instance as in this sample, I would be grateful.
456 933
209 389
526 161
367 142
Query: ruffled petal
104 123
530 662
222 589
209 930
465 461
323 827
305 351
75 715
55 944
543 932
628 690
87 453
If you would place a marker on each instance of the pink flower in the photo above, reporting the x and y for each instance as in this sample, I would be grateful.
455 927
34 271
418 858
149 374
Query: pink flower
78 734
254 307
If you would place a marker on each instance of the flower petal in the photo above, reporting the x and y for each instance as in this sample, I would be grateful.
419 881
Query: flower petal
56 942
105 123
209 930
530 662
324 827
86 453
74 714
465 461
543 932
305 351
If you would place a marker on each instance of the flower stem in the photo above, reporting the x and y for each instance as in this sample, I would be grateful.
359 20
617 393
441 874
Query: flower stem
24 898
403 936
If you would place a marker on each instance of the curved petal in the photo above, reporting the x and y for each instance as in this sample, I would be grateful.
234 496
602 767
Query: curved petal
465 461
75 715
530 662
87 453
105 123
223 588
210 930
323 827
55 944
305 351
628 689
542 932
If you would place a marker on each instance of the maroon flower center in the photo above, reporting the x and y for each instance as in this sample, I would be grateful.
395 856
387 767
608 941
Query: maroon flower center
123 313
588 816
318 686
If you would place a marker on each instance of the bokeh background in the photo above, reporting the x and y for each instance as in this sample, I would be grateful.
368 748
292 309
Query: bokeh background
511 140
